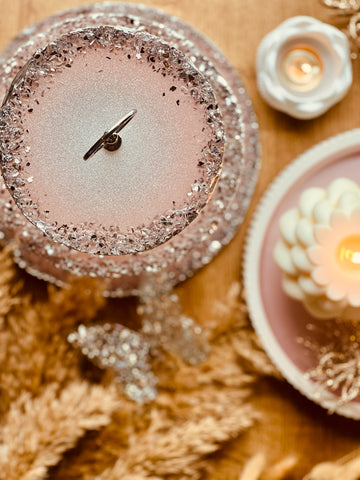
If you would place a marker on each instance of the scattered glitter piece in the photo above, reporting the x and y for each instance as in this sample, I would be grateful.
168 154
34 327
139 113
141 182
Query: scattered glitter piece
165 325
122 350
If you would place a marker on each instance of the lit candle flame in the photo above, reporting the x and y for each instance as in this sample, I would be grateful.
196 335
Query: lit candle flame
349 252
301 68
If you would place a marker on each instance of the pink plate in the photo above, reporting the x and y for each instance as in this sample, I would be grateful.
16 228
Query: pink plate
278 320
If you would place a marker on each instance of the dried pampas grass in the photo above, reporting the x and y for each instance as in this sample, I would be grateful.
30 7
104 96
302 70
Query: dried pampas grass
165 449
48 407
38 431
256 468
35 351
57 425
346 468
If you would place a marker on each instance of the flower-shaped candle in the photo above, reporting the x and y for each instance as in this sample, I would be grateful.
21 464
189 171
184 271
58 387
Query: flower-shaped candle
303 67
319 252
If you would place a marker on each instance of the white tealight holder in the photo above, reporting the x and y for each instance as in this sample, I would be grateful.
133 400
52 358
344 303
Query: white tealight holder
303 67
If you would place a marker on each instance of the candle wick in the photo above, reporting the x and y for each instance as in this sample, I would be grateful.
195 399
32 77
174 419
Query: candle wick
111 141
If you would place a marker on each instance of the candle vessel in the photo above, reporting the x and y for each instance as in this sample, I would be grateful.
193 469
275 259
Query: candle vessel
319 250
185 245
303 67
120 202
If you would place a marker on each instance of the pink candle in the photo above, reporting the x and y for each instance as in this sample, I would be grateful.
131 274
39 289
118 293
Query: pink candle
199 242
117 202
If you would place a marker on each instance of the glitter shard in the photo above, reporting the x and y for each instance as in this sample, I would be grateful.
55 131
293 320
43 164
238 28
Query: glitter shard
165 325
123 351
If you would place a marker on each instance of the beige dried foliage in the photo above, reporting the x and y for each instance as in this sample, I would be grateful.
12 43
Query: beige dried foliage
208 401
220 367
200 408
106 446
10 285
251 354
230 362
38 431
178 449
281 469
9 289
230 313
346 468
253 467
230 319
257 469
79 303
163 438
34 343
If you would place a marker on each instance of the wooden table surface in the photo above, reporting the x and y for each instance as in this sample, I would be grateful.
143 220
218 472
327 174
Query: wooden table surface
291 423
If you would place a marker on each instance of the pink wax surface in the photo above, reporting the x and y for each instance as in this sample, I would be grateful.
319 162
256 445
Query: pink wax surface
119 202
279 320
152 171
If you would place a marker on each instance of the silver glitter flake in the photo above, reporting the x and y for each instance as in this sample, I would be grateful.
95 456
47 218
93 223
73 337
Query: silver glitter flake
128 353
336 345
165 325
124 351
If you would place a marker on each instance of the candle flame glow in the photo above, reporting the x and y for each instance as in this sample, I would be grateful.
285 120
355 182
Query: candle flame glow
349 252
301 68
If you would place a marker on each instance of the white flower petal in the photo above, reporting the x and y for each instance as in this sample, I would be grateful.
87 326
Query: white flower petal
306 254
348 201
308 199
300 259
304 232
319 275
288 224
335 291
291 288
322 212
309 287
321 307
314 254
354 299
322 234
340 186
283 259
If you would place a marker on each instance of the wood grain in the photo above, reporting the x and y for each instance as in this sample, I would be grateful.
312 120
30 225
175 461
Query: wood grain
290 422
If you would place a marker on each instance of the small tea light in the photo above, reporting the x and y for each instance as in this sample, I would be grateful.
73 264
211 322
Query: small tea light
319 252
303 67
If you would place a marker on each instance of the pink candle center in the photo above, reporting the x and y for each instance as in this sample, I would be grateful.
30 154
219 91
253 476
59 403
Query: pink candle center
165 169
